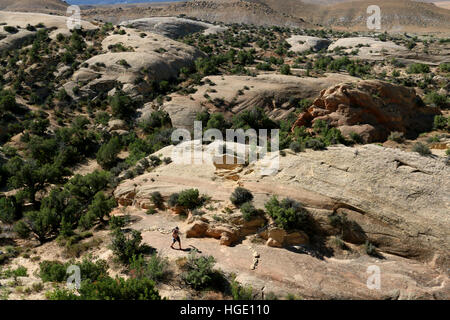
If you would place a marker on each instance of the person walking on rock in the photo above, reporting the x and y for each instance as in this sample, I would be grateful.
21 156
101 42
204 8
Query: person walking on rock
176 237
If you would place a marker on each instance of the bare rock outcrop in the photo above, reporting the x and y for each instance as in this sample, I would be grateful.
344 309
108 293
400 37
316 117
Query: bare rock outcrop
20 20
398 201
304 43
368 48
172 27
230 95
130 59
371 109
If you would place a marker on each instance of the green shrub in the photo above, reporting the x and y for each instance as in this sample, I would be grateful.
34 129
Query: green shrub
315 144
217 121
156 268
288 214
445 67
264 66
7 101
199 272
396 136
102 117
440 122
190 199
99 208
418 68
285 69
157 119
248 211
370 248
20 271
9 211
42 224
126 245
116 222
122 106
22 229
173 199
421 148
91 270
157 199
442 101
239 292
356 138
107 154
296 146
240 196
108 288
52 271
10 29
255 118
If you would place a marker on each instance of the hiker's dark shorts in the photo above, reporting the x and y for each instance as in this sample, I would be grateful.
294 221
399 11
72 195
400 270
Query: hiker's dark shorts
175 239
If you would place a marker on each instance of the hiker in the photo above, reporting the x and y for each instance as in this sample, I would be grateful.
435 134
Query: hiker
176 237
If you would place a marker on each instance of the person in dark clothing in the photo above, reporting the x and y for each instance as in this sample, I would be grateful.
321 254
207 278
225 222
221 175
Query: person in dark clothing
176 237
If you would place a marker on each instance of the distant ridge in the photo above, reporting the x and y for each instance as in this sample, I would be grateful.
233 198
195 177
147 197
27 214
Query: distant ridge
33 5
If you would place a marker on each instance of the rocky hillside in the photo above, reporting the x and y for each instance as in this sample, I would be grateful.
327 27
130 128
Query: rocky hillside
34 5
397 16
228 11
90 170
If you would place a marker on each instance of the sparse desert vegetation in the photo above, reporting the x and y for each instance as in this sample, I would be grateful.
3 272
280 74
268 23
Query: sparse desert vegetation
89 175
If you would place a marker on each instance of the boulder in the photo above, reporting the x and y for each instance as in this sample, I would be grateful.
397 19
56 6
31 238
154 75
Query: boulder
197 230
305 43
371 108
277 237
273 243
201 229
296 238
117 124
277 234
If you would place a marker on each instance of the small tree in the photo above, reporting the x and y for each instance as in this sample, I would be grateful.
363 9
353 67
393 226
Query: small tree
9 211
122 106
157 199
189 199
100 207
7 101
42 224
32 176
199 271
125 246
107 155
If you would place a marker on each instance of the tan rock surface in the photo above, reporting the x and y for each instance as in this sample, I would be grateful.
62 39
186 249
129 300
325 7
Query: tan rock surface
400 200
268 91
153 57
